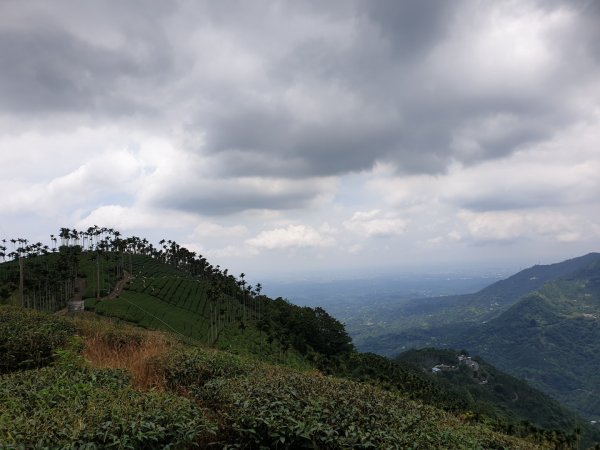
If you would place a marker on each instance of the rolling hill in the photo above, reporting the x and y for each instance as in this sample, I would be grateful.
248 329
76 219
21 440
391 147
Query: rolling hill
550 338
541 325
433 322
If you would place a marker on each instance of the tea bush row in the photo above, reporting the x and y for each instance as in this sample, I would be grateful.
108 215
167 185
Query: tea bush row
29 338
294 410
193 368
57 407
264 406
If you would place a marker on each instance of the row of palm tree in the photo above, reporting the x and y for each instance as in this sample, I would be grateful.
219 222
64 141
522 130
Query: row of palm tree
43 282
51 282
49 277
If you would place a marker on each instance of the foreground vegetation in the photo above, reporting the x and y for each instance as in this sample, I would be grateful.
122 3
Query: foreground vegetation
91 394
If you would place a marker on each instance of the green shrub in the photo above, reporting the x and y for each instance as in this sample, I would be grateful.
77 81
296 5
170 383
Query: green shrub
193 368
84 408
283 409
28 338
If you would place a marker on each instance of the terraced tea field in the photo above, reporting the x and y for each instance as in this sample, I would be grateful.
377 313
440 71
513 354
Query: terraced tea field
161 297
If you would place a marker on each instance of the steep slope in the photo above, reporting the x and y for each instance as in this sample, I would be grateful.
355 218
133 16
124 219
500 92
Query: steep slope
550 338
216 309
489 390
432 321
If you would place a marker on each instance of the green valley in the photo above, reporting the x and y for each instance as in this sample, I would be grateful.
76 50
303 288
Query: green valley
432 321
541 325
552 339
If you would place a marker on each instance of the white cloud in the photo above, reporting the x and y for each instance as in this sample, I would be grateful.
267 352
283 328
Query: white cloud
206 229
233 251
507 49
355 248
128 218
454 235
435 241
375 224
513 225
197 123
110 173
293 236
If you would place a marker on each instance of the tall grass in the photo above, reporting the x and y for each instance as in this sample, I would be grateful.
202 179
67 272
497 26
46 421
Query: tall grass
116 345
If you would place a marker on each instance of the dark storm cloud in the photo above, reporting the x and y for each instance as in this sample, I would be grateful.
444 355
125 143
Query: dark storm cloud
219 197
219 204
411 27
268 143
53 71
503 201
585 37
47 68
305 89
401 111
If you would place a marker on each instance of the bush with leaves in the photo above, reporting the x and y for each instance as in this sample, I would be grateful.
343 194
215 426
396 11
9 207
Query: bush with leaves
69 407
192 369
29 338
280 408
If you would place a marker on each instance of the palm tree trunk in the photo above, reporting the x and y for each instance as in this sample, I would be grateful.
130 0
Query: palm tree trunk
21 281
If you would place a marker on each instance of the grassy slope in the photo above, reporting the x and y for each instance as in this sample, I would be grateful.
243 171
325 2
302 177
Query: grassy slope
161 297
86 400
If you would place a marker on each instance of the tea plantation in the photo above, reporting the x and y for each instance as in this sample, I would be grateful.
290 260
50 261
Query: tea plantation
202 397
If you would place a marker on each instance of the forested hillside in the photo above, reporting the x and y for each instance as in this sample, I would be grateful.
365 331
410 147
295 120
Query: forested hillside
552 339
434 321
541 325
489 389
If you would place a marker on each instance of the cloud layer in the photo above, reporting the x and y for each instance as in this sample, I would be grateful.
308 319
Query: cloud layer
243 128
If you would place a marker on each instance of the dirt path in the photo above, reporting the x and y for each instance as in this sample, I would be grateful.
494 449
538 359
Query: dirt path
76 302
119 286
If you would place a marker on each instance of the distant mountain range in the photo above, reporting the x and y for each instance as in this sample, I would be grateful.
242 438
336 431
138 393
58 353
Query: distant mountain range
541 324
551 338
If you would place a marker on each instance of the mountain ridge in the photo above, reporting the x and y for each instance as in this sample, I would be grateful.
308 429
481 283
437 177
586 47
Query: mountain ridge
544 328
426 322
552 338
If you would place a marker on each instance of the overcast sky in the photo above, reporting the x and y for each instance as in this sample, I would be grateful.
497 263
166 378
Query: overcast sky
307 137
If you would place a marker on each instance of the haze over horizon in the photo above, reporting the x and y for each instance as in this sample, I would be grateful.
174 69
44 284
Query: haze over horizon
307 137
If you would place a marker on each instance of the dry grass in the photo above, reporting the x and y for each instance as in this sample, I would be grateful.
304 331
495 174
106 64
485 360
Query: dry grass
116 345
138 358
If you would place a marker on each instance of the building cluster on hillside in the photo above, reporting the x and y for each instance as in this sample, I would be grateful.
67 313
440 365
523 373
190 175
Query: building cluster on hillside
462 359
442 368
468 361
